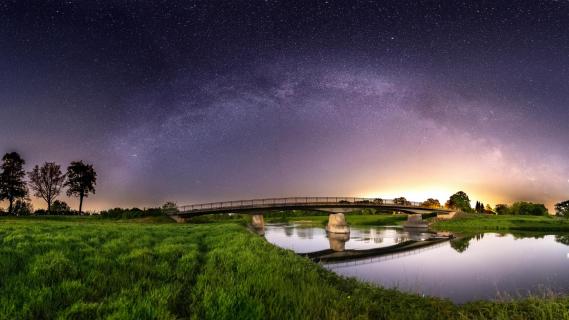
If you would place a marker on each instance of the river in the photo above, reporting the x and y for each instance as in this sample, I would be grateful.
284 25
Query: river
471 267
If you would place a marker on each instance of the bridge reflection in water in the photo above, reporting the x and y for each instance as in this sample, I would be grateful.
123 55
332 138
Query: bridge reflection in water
364 242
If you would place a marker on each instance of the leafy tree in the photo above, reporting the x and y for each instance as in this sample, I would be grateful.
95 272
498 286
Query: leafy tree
60 207
431 203
479 208
46 182
528 208
562 208
22 207
502 209
402 201
81 180
459 201
488 207
378 201
170 207
12 184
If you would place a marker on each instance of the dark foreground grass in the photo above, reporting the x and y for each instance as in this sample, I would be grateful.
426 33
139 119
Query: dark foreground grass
480 222
90 269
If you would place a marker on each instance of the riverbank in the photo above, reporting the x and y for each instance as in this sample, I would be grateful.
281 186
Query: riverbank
462 222
482 222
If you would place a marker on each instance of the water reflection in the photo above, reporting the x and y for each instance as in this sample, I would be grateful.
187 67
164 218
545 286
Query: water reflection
338 241
471 267
310 239
461 242
562 238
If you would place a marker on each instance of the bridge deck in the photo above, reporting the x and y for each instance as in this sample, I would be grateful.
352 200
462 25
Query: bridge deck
305 203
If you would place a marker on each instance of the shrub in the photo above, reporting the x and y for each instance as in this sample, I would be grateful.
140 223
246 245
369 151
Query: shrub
120 213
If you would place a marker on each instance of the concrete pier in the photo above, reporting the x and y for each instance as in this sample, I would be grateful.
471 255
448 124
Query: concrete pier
337 223
338 241
258 223
415 221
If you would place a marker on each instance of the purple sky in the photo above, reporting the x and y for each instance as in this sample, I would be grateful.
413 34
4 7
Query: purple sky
196 101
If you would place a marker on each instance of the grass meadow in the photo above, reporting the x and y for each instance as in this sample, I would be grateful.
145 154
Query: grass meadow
482 222
84 268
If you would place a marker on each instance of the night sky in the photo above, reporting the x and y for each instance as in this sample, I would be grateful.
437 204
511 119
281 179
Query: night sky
196 101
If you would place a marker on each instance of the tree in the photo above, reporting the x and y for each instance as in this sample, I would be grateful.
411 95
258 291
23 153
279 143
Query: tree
562 208
402 201
488 207
528 208
81 180
46 182
479 208
170 208
431 203
60 207
459 201
502 209
22 207
12 184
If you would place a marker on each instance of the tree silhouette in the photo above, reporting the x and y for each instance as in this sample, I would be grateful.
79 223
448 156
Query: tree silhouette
81 180
60 207
46 182
562 208
402 201
459 201
12 184
431 203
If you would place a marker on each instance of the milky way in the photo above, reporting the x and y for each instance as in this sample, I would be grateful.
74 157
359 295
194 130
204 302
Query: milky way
204 101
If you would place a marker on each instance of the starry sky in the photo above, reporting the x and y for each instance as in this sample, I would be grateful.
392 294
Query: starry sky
197 101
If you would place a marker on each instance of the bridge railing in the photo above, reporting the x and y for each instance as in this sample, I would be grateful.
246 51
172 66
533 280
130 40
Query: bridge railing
298 201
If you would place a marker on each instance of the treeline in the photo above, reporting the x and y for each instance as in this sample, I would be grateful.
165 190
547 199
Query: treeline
120 213
45 182
461 202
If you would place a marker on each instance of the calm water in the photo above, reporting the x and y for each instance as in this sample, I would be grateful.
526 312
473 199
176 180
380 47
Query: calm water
481 266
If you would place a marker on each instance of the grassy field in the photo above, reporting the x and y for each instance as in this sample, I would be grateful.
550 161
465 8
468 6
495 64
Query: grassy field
478 222
81 268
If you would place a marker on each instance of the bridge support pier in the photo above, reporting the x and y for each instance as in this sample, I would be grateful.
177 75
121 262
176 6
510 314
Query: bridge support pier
415 221
337 223
338 241
258 223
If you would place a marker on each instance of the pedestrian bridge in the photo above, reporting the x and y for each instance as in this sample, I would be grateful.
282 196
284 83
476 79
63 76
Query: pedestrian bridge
335 206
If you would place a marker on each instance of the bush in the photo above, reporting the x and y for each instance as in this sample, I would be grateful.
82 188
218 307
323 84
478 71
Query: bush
120 213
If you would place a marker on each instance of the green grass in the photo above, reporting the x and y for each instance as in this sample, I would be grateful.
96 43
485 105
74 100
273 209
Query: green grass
85 268
478 222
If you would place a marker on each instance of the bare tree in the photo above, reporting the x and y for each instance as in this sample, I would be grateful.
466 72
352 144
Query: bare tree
46 182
